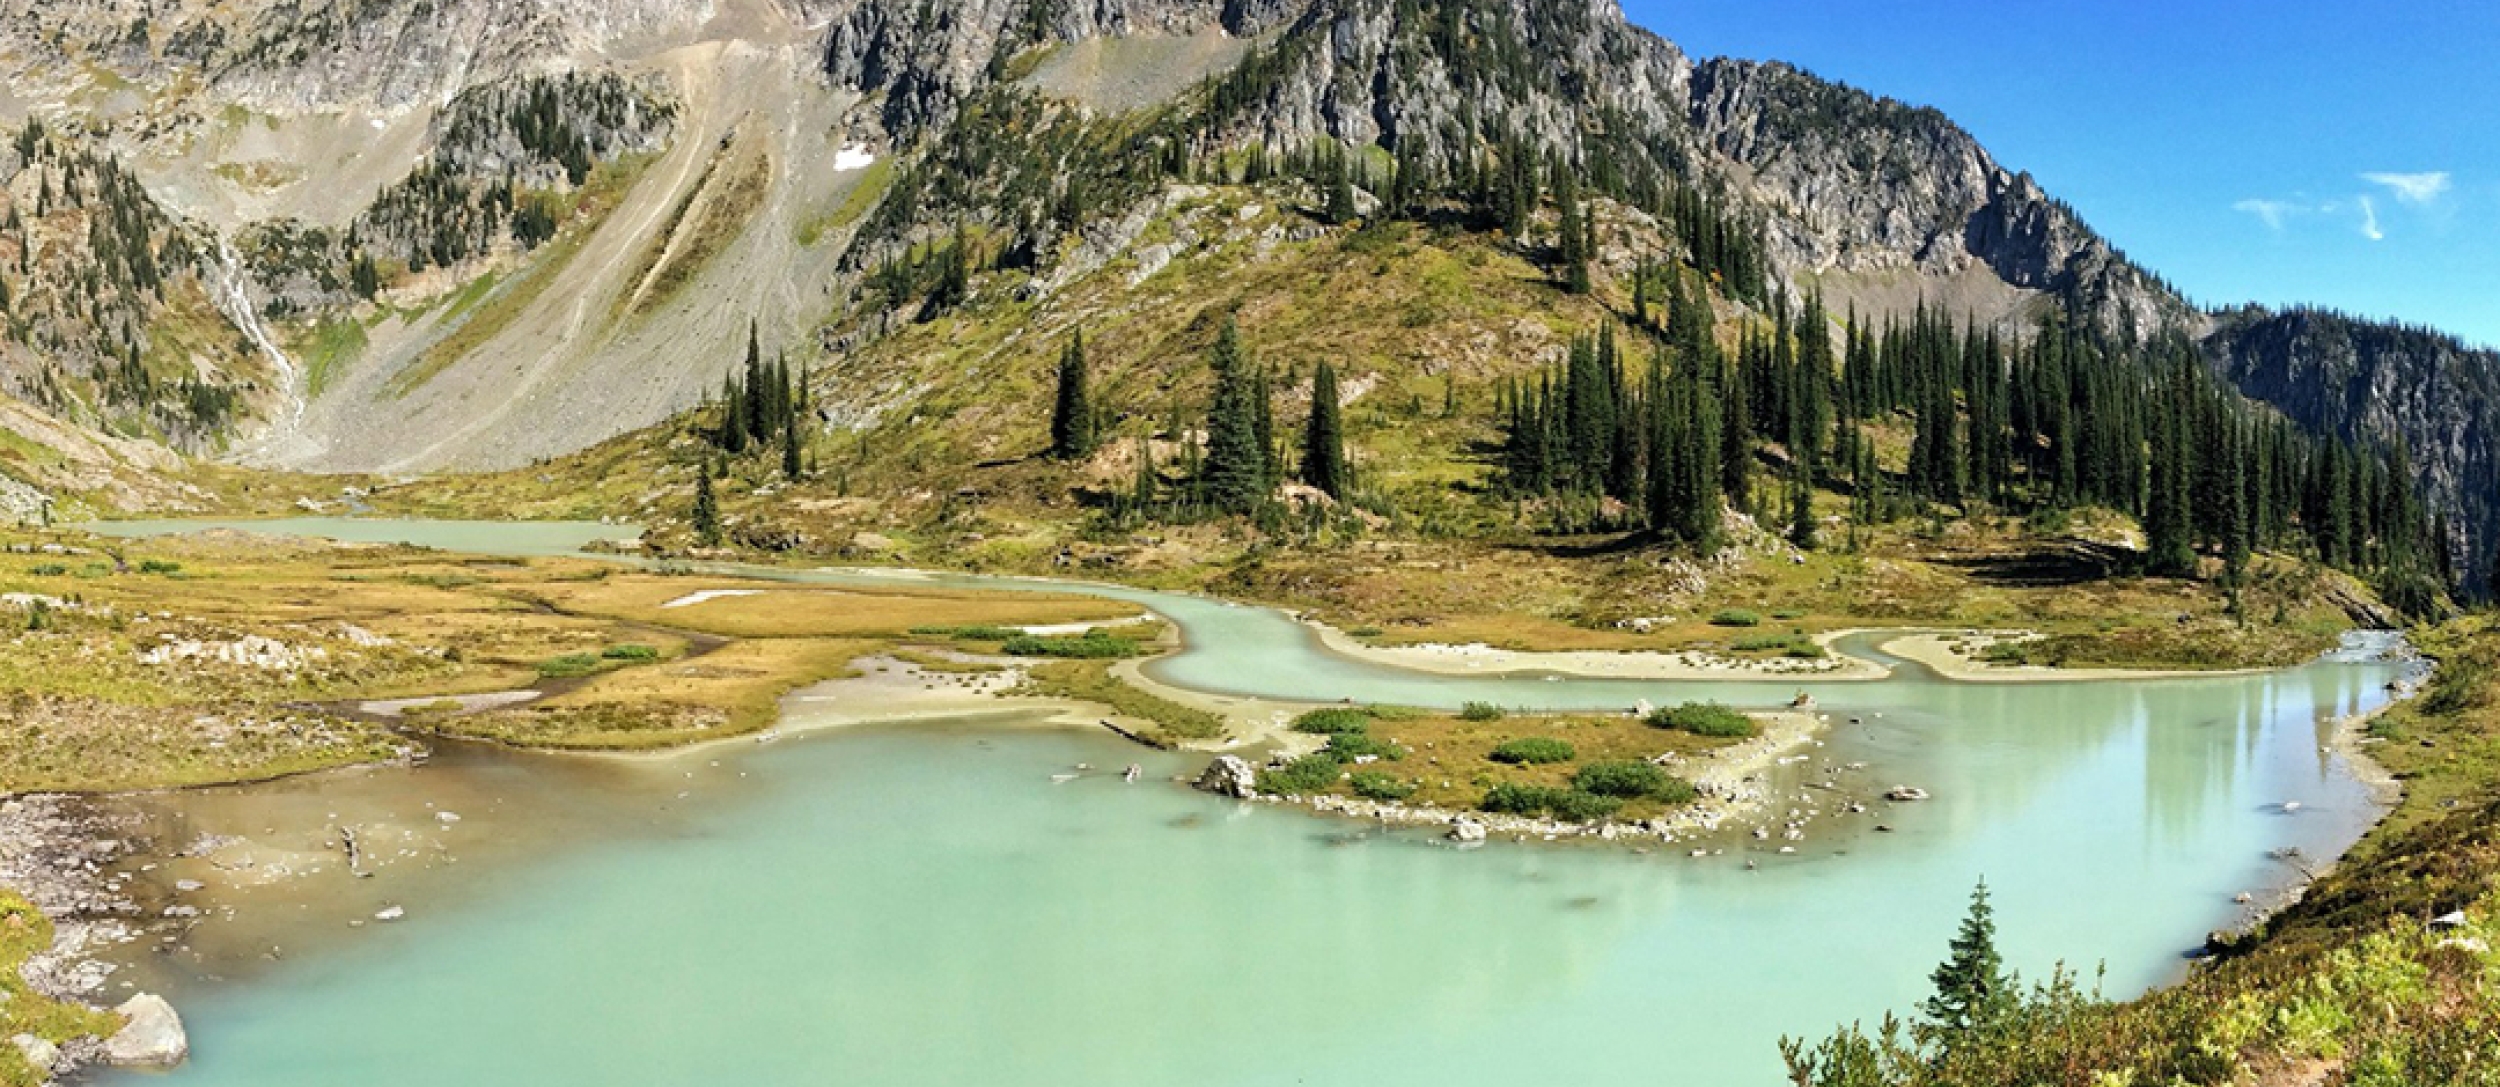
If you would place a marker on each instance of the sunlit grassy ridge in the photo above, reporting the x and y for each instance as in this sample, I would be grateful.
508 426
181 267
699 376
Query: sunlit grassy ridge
934 456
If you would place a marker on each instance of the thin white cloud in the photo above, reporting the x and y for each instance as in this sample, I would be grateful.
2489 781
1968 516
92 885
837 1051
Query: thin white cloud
2422 188
2270 212
2369 221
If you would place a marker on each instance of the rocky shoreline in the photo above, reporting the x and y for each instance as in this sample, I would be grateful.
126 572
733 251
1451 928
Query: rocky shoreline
55 851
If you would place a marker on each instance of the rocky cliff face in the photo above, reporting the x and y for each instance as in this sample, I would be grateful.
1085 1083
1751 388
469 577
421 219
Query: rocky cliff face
924 59
2374 382
299 56
299 119
1845 184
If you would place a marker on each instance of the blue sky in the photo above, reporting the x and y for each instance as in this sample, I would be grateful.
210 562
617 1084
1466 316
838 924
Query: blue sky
2343 154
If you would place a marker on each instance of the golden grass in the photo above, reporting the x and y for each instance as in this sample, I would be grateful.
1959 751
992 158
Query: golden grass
376 622
789 611
88 745
730 692
1092 681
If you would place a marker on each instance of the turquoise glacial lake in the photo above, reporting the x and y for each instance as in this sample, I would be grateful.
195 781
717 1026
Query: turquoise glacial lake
926 906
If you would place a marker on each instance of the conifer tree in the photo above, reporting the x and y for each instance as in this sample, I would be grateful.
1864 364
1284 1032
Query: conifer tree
1234 476
706 509
753 409
1340 210
1571 236
1072 415
1263 426
793 463
1146 491
1323 443
1973 989
733 421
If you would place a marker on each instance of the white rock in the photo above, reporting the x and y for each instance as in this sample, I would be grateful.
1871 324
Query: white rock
42 1056
1467 830
153 1037
391 913
1230 776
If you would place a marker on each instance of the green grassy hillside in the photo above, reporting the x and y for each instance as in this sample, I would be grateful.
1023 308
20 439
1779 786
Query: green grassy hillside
928 443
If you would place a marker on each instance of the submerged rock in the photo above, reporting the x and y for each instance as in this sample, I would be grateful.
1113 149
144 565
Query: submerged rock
153 1037
1905 794
1229 776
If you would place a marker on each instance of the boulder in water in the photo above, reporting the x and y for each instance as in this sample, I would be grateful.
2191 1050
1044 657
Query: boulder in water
153 1036
1229 776
1467 830
1902 794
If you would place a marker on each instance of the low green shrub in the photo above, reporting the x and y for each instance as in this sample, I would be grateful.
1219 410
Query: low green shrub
1480 711
1580 807
971 634
1629 780
1534 751
1511 798
1308 774
1396 713
1374 785
571 666
630 652
1676 790
1704 719
1092 645
2458 685
159 566
48 569
1736 617
1795 643
1333 722
1349 746
1633 781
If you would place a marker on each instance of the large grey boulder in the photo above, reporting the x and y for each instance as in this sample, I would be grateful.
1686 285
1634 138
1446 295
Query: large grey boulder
1229 776
153 1038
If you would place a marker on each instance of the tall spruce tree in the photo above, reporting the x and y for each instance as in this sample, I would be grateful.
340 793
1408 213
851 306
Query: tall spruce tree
706 515
1323 439
1148 489
1233 478
1973 989
1072 413
793 448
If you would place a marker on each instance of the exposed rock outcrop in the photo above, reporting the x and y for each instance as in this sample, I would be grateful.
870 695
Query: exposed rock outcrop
1230 776
2372 383
151 1037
